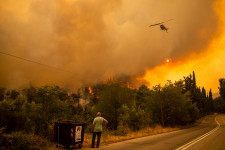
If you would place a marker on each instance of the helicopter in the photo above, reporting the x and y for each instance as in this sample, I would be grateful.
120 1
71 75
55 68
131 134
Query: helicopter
161 25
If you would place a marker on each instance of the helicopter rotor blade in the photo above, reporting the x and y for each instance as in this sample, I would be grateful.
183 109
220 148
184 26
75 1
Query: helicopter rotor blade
155 24
167 20
160 23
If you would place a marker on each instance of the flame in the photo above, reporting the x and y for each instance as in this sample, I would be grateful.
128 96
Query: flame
90 91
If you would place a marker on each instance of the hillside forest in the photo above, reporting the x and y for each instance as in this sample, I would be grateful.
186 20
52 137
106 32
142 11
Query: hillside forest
28 115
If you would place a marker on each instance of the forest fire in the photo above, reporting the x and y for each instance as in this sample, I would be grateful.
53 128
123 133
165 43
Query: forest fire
90 91
68 60
209 58
189 31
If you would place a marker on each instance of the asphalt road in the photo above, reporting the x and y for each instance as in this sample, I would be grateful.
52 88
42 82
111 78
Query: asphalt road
214 140
209 135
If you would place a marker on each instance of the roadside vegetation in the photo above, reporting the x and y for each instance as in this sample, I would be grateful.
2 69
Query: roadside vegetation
28 115
112 136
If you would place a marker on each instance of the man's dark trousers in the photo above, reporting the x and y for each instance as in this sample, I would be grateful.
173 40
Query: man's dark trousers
98 139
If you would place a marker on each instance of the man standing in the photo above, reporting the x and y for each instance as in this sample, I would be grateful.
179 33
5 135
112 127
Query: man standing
97 129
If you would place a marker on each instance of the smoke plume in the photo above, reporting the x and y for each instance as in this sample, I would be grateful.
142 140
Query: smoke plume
93 40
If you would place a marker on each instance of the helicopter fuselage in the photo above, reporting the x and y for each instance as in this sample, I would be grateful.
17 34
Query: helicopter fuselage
163 27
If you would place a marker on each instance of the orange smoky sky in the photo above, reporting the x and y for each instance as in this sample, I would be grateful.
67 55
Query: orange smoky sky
91 40
207 64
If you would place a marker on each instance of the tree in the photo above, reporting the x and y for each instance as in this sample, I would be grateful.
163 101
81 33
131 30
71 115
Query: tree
194 81
180 84
142 93
47 97
62 94
96 91
13 115
211 105
198 96
14 94
219 102
111 99
219 105
31 94
76 97
134 117
2 93
177 107
204 101
222 88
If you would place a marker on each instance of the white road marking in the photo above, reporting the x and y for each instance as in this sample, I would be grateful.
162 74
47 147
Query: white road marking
199 138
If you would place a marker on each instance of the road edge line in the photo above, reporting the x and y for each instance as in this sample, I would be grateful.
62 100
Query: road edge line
187 145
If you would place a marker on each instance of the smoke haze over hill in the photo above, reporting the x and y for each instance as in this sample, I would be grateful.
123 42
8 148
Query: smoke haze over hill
95 40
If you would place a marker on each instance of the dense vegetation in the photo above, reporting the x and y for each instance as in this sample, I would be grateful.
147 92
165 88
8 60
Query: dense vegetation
28 115
219 102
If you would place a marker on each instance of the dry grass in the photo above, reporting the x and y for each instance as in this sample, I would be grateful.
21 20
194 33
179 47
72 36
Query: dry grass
110 137
221 119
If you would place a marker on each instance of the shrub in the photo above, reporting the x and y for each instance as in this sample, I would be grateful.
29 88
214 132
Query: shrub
12 112
22 141
133 117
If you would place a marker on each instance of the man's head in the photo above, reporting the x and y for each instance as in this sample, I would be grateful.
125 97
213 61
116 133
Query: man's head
98 114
